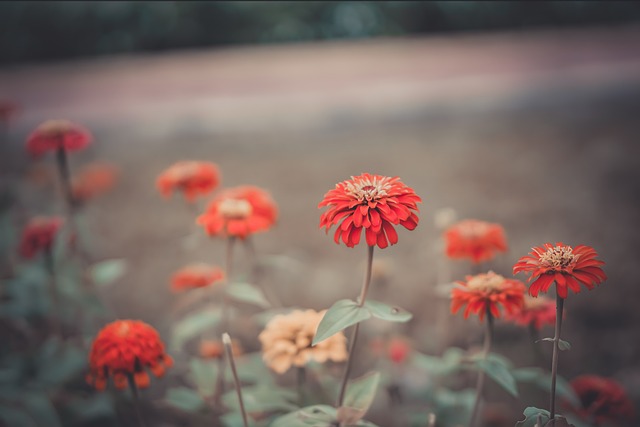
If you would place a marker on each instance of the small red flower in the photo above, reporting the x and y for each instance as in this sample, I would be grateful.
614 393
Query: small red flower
486 292
125 348
603 400
53 135
38 235
239 212
476 240
537 311
196 276
374 203
93 180
566 266
192 178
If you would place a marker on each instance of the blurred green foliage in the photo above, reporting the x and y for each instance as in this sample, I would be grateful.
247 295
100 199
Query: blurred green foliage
40 31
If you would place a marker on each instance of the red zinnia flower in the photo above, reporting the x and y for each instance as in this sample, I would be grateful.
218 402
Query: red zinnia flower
603 400
192 178
53 135
92 180
476 240
125 348
196 276
486 292
239 212
566 266
537 311
374 203
38 235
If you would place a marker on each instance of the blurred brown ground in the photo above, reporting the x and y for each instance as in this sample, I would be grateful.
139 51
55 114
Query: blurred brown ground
537 131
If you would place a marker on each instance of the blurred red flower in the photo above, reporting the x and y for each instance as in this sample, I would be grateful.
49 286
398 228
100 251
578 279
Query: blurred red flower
53 135
396 349
537 311
487 292
93 180
239 212
196 276
566 266
374 203
603 400
38 235
123 349
476 240
192 178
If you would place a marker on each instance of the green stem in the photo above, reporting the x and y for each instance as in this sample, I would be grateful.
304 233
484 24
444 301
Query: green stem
488 338
226 340
554 360
356 328
136 400
53 293
224 322
65 176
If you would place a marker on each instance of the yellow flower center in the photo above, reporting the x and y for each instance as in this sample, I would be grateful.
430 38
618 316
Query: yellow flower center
558 257
490 282
368 189
55 127
235 208
123 329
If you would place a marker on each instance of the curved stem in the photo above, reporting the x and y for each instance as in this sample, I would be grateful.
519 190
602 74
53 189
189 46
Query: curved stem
488 338
224 322
356 328
226 340
554 360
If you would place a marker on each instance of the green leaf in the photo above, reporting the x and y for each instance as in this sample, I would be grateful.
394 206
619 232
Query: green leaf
531 416
542 380
386 312
262 398
317 416
204 374
234 419
40 409
361 392
247 293
449 363
497 370
107 272
185 399
58 363
195 324
92 408
564 345
13 416
341 315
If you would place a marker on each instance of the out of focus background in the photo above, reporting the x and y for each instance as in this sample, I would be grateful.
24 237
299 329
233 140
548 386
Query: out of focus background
522 113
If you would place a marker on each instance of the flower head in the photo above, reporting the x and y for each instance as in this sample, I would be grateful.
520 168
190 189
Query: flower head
196 276
54 135
374 203
239 212
93 180
535 311
602 399
38 235
192 178
286 341
396 349
568 267
126 348
486 292
475 240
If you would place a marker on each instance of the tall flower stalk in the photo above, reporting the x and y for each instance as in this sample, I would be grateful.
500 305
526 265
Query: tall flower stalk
486 348
554 360
224 322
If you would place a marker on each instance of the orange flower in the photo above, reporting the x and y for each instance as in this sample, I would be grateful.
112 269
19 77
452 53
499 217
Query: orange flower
38 235
123 349
53 135
196 276
537 311
566 266
192 178
486 292
239 212
286 341
476 240
371 202
602 399
210 349
93 180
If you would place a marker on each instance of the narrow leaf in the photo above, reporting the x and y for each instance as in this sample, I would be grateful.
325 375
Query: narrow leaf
387 312
341 315
531 415
361 392
106 272
247 293
564 345
194 324
499 372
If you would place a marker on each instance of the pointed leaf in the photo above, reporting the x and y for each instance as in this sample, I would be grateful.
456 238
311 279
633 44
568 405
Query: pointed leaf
499 372
316 415
185 399
531 415
384 311
564 345
106 272
361 392
247 293
195 324
341 315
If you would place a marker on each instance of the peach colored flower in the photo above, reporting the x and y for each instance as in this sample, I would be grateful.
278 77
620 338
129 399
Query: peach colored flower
239 212
372 203
286 341
93 180
38 235
195 276
475 240
537 311
568 267
125 348
192 178
486 292
54 135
